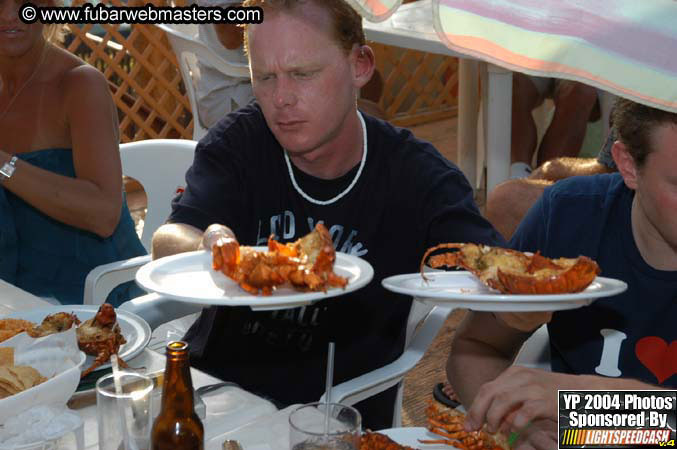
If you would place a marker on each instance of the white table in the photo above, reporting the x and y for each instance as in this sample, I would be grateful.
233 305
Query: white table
226 409
270 432
411 26
13 299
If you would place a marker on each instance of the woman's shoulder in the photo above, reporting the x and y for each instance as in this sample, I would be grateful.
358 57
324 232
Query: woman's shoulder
81 87
76 78
79 76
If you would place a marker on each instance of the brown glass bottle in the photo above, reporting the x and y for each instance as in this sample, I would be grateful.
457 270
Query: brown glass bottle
177 427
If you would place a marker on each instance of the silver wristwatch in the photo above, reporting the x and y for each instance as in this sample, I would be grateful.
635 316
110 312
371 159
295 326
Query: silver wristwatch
7 170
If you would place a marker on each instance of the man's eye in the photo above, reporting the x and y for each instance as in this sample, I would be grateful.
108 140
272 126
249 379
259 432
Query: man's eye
302 75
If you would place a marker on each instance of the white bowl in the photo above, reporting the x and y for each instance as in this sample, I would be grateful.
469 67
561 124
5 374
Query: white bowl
55 391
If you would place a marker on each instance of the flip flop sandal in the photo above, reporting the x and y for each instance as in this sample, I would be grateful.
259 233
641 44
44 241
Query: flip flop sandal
440 396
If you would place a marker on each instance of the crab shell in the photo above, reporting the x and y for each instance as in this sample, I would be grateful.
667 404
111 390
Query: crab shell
96 341
513 272
101 337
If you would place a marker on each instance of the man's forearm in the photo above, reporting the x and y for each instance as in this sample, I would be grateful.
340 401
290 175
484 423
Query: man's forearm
470 365
173 238
483 348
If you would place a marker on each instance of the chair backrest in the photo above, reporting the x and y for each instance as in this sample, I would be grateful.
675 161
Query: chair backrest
189 49
535 351
160 166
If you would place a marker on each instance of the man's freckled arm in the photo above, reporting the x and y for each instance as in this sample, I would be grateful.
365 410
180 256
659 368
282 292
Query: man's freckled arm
173 238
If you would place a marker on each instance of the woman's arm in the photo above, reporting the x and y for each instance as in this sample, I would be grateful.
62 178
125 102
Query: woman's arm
92 201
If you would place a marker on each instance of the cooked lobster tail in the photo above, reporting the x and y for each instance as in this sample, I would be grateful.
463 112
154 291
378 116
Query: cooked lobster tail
513 272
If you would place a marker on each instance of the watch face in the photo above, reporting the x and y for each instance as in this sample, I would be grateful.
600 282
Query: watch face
7 170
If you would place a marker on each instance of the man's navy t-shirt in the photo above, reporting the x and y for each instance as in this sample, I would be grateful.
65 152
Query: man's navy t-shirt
407 198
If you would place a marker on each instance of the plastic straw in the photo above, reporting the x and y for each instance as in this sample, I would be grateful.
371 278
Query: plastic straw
128 444
327 395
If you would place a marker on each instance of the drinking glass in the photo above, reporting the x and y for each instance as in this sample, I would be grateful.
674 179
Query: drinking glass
321 426
124 414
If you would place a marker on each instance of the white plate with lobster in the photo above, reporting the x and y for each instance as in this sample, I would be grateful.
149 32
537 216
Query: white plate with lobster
189 277
465 290
410 436
135 330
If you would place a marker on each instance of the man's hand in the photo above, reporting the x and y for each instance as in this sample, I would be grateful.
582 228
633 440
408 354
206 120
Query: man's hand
517 397
539 435
213 234
526 322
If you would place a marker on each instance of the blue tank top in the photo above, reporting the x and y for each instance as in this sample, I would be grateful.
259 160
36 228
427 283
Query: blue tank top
51 259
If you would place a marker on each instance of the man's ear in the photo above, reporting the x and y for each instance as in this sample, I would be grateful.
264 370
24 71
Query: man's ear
364 64
625 163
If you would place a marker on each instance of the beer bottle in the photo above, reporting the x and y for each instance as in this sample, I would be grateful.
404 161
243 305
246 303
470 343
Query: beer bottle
177 427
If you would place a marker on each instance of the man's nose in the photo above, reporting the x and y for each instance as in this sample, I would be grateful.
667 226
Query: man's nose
284 93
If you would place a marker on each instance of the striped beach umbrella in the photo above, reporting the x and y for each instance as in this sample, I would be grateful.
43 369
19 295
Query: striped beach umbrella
375 10
626 47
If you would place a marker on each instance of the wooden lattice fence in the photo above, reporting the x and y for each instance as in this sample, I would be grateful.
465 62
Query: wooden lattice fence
143 75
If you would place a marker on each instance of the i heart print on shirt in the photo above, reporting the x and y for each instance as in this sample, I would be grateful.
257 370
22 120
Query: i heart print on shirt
657 356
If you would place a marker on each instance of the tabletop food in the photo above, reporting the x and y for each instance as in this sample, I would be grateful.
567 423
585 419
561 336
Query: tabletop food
379 441
6 356
54 323
448 423
15 379
513 272
11 327
100 336
306 264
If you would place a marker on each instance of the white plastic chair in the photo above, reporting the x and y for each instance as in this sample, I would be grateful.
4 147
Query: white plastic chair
188 49
422 326
160 166
535 352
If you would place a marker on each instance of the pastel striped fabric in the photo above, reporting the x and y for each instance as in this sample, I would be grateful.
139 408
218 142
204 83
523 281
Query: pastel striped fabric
375 10
627 47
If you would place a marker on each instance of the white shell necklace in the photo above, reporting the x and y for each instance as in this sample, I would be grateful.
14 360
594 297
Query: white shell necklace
352 183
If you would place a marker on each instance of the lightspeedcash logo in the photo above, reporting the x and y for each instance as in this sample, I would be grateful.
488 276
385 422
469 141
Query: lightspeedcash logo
617 419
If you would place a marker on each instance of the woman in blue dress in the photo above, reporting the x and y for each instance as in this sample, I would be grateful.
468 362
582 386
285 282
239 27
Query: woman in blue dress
62 208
